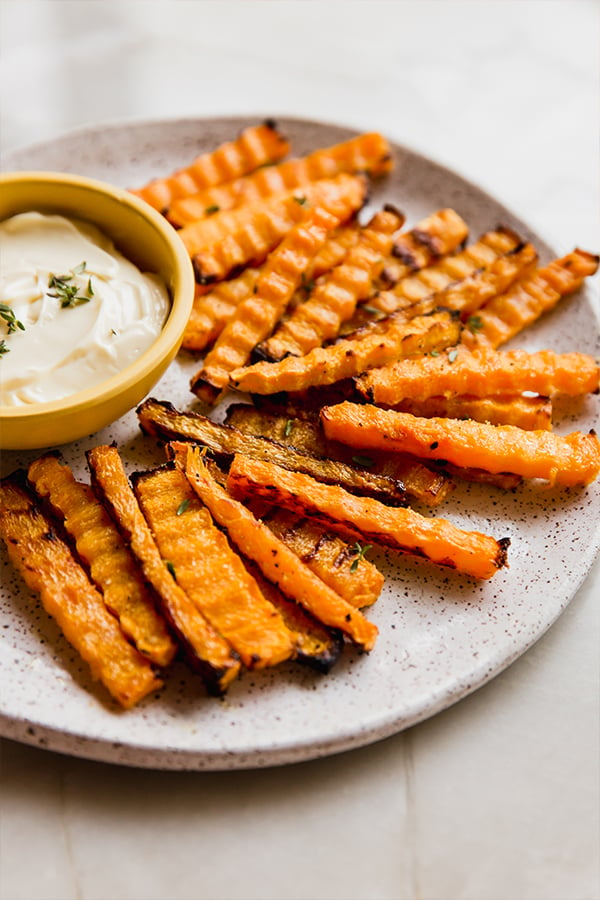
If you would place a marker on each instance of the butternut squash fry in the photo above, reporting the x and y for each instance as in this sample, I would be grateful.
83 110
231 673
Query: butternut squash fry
347 358
307 436
569 461
162 420
481 373
531 413
112 567
49 568
278 563
368 153
235 238
334 299
254 147
209 571
363 519
505 316
206 650
256 316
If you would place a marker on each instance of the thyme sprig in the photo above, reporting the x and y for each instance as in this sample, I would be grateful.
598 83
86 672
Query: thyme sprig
8 314
68 292
361 550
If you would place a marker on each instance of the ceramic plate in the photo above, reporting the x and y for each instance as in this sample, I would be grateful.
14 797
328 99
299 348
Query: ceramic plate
441 635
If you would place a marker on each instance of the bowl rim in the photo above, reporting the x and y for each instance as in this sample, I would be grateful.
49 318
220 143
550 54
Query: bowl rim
177 317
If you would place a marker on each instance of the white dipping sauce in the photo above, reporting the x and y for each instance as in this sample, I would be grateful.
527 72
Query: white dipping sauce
118 312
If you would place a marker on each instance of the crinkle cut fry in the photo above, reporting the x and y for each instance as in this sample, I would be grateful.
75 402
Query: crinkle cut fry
278 563
256 316
363 519
206 650
334 299
505 316
111 564
256 146
368 153
443 274
230 240
209 571
569 461
420 483
211 311
482 372
48 567
327 365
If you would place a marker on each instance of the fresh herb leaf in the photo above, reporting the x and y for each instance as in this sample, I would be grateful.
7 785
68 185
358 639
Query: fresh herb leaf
182 506
300 200
288 428
435 353
66 292
8 314
361 550
452 355
171 569
3 348
361 460
373 310
211 210
474 323
89 290
307 284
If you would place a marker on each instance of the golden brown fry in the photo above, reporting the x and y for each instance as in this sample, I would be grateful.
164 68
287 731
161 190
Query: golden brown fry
531 413
207 652
209 571
49 568
364 519
254 147
368 153
110 562
347 358
211 311
569 461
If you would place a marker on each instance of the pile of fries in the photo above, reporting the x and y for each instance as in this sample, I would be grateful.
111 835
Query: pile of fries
372 357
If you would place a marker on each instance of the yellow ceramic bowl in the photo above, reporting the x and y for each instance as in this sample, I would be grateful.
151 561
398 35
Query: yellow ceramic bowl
145 238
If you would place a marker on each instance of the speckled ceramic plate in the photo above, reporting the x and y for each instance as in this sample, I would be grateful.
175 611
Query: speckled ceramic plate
441 635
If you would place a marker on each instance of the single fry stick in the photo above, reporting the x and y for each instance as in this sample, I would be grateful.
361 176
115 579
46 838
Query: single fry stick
207 652
111 564
49 568
233 239
505 316
481 373
364 519
334 299
347 358
368 153
211 311
256 316
278 563
256 146
209 571
570 461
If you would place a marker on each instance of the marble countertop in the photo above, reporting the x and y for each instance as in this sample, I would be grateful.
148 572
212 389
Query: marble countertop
497 797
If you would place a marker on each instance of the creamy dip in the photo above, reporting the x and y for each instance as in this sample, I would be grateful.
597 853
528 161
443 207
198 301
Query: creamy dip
73 310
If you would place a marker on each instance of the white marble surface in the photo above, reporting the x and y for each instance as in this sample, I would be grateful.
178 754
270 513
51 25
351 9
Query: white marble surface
496 798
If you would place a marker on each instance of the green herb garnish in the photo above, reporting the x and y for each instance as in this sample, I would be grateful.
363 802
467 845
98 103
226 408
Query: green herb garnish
361 460
66 291
3 348
452 355
475 323
373 310
8 314
435 353
300 200
211 210
171 569
361 549
307 284
288 428
182 506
